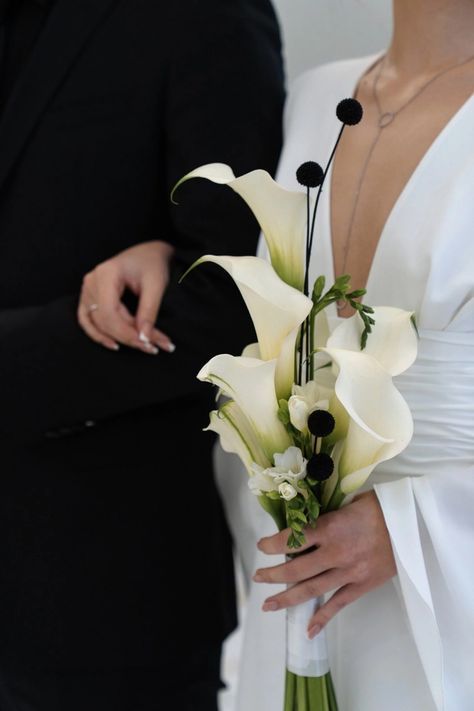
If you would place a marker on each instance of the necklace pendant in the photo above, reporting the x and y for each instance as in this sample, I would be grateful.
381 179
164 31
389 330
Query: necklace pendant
386 119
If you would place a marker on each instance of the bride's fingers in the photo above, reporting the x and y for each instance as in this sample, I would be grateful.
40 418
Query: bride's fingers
277 544
300 568
309 590
337 602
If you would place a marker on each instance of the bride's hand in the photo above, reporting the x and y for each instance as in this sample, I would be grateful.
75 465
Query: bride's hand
349 551
144 270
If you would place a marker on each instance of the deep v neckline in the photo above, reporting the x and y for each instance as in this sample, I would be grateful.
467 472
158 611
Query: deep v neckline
404 193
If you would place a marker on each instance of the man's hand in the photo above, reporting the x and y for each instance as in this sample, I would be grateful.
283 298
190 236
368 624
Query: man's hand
144 270
349 551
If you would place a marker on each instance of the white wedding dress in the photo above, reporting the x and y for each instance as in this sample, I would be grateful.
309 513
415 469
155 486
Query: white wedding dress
410 644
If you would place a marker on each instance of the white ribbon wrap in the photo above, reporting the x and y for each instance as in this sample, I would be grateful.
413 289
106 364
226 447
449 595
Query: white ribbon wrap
305 657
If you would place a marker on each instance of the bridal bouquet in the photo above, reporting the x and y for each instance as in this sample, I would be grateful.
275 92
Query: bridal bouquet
309 412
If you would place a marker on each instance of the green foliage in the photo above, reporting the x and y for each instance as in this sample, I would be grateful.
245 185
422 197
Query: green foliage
302 511
340 291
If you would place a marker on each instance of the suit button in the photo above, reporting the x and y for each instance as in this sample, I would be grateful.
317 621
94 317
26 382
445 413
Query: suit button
89 423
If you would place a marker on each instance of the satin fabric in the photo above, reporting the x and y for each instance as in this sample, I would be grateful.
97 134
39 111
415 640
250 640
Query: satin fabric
410 643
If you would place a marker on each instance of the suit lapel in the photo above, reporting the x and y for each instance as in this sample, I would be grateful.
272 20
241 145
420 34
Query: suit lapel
68 28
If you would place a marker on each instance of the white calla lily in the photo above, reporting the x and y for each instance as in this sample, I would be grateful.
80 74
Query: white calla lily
251 384
285 367
380 423
281 214
252 351
276 309
237 436
393 341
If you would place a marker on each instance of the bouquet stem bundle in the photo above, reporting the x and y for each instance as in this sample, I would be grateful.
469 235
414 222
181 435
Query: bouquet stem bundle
304 693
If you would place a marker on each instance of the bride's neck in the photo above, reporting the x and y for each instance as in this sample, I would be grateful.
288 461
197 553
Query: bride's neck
430 34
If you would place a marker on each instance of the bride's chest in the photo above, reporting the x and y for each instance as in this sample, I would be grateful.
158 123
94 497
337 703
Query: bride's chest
373 169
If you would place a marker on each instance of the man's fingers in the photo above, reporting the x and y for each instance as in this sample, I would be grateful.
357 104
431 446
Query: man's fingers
309 590
93 332
337 602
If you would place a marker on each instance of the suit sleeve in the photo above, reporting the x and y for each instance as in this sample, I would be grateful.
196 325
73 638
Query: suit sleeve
223 103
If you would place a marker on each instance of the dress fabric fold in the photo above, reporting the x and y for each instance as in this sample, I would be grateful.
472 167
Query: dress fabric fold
410 643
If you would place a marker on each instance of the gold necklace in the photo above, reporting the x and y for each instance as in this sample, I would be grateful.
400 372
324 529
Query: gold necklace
385 119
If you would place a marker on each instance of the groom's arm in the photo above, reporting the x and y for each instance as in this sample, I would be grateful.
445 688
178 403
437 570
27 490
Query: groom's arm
55 381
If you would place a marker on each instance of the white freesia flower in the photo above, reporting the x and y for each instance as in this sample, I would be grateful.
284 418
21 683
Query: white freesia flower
281 214
393 341
304 400
251 384
261 481
379 422
287 492
290 468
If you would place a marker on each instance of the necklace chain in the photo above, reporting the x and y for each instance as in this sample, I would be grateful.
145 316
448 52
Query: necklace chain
385 119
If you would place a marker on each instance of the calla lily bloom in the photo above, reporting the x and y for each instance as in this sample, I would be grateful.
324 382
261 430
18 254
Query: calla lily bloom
237 435
393 341
251 384
281 214
380 424
276 309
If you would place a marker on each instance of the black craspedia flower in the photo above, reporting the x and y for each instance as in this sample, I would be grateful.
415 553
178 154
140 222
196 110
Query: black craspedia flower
320 467
321 423
349 111
310 174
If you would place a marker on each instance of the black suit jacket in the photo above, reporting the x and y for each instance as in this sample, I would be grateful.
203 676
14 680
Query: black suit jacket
108 512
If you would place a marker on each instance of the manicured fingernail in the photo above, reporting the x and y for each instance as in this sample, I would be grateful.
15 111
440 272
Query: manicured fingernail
171 348
314 631
270 606
116 347
143 338
258 578
151 349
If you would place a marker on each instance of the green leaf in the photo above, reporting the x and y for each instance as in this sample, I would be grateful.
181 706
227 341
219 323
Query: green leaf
272 495
318 288
415 325
300 516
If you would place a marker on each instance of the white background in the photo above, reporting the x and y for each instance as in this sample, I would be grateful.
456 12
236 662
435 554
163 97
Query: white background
317 31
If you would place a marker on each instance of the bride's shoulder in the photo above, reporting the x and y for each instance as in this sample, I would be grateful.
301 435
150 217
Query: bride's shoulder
328 82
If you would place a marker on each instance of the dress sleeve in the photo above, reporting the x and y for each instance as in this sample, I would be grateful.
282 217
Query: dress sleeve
429 515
